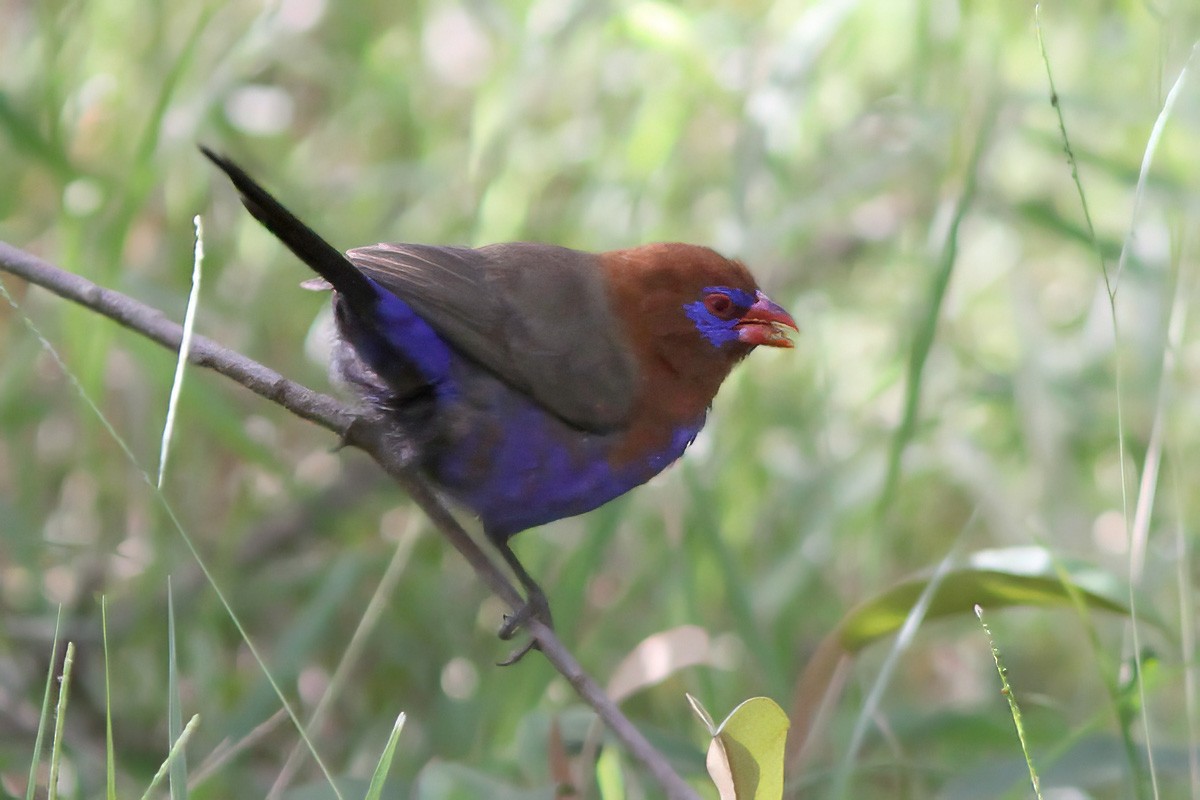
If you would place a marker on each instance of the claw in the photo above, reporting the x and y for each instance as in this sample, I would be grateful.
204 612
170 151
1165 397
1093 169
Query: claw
536 606
518 654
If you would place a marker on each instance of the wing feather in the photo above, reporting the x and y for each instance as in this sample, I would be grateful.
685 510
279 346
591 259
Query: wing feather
537 316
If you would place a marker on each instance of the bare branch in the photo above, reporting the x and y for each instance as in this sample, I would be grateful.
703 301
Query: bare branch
151 323
366 433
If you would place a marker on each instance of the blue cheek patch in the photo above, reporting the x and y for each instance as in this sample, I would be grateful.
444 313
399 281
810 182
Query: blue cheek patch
718 331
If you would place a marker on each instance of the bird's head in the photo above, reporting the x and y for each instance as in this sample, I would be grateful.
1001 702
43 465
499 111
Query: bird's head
693 310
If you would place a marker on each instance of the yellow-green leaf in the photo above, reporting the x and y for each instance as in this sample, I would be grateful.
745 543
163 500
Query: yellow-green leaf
1015 576
745 758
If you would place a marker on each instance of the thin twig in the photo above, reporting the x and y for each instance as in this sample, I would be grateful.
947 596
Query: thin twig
154 325
374 437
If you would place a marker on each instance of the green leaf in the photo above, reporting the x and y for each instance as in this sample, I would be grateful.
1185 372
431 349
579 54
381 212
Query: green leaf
1029 576
1017 576
745 758
608 775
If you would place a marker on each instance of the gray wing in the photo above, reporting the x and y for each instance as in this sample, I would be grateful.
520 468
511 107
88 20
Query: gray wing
535 315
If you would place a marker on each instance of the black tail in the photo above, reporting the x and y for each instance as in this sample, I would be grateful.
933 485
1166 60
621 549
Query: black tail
302 240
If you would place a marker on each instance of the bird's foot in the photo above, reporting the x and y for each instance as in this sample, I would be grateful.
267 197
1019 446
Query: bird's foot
535 607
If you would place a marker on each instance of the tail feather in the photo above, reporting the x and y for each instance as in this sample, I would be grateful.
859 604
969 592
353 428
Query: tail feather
302 240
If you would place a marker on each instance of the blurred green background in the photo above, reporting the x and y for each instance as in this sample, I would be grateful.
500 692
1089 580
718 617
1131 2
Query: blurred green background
894 173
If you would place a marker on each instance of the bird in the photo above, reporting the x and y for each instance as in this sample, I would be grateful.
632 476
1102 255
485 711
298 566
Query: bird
531 382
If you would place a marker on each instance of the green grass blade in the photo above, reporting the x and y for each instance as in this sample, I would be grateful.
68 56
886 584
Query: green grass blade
375 791
1114 691
60 717
174 753
1013 708
1187 632
178 769
39 740
1071 161
1139 192
110 768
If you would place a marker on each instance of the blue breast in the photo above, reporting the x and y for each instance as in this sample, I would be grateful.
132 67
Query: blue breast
517 466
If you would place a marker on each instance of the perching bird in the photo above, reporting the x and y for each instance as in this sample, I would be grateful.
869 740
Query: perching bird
535 382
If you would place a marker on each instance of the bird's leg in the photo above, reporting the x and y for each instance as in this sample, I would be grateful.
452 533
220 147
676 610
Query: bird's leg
536 606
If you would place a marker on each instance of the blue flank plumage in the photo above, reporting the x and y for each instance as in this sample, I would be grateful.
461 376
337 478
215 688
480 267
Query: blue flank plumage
394 328
535 469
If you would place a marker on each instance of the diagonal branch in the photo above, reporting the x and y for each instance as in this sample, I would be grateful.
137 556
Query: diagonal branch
368 434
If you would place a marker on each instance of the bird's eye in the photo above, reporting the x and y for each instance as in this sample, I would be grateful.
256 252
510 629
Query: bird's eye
719 305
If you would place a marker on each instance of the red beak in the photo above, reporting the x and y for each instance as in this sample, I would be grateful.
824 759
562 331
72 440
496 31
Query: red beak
765 323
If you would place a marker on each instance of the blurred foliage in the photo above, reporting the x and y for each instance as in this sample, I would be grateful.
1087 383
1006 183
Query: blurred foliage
894 174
